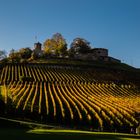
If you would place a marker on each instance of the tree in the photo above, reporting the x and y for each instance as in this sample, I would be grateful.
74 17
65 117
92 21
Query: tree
2 55
25 53
79 45
14 56
50 47
56 45
61 45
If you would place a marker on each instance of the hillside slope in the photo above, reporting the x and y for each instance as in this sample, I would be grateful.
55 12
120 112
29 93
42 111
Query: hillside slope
102 96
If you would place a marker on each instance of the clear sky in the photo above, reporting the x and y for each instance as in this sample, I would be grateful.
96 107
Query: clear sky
111 24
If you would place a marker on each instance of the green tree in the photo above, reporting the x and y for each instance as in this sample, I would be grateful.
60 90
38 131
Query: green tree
56 45
79 45
25 53
14 56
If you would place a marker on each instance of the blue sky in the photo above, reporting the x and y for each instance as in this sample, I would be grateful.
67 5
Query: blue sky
111 24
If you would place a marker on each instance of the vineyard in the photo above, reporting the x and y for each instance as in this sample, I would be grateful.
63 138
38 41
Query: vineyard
68 95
